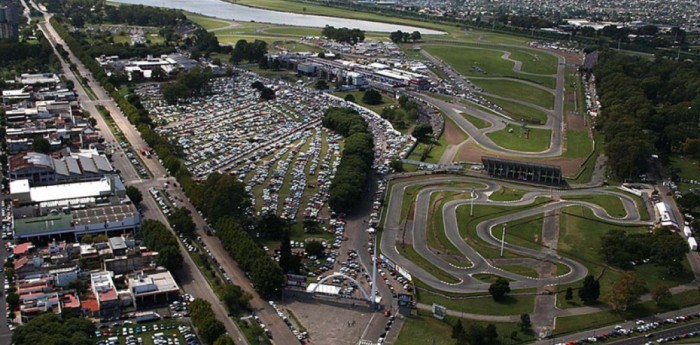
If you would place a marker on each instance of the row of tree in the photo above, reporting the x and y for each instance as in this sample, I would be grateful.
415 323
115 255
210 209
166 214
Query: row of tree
344 35
265 274
649 106
157 237
356 158
252 52
399 36
208 327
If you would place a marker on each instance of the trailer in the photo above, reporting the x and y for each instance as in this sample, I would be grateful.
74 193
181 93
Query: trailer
692 244
687 231
147 316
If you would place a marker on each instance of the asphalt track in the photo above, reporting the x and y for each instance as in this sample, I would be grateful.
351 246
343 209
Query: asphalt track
555 116
417 231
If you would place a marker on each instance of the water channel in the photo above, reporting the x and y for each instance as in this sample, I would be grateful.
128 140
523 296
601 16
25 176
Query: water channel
229 11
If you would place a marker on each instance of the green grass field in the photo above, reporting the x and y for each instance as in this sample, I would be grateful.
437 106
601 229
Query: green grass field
483 305
206 22
467 225
409 253
483 62
578 144
579 238
569 324
521 270
611 204
538 62
423 329
539 139
477 122
386 100
507 194
520 112
516 90
687 168
525 232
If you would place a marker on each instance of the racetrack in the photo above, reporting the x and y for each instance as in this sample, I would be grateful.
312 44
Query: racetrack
417 230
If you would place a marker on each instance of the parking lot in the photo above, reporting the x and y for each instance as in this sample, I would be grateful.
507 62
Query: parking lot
154 333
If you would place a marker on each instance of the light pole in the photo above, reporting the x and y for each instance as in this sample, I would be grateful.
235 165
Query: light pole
503 238
471 210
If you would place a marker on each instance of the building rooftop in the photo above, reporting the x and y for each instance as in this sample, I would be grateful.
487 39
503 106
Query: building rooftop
150 283
37 226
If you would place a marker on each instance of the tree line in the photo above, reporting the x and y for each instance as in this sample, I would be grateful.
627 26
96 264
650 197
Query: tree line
187 84
355 160
344 35
399 36
50 328
662 248
648 106
209 328
157 237
253 52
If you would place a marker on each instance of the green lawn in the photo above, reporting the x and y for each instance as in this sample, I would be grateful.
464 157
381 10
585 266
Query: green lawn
485 305
585 173
477 122
611 204
206 22
467 225
521 270
423 329
517 90
538 139
377 108
294 31
579 239
507 194
524 232
520 112
534 61
172 333
409 253
686 168
488 278
577 323
578 144
482 62
434 154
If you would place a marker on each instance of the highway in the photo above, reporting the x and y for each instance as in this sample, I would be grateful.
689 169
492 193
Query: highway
418 232
197 283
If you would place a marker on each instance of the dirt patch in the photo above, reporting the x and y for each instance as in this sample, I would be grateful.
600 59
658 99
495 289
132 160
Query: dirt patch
470 153
576 122
453 134
571 57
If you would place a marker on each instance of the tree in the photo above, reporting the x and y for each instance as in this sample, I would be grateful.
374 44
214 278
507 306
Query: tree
590 291
350 98
134 195
267 94
314 248
625 291
423 132
286 256
660 294
41 145
525 323
499 289
181 222
372 97
457 329
170 258
569 294
49 328
276 64
321 85
396 36
12 300
415 36
234 298
210 329
397 165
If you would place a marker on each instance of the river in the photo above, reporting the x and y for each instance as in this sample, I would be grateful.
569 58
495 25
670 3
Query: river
229 11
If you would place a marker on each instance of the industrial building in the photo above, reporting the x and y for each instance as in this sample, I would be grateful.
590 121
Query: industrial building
72 209
41 169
